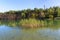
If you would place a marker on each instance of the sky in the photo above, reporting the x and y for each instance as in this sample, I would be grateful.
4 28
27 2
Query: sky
6 5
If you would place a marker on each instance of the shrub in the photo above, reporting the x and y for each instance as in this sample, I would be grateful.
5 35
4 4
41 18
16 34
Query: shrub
29 23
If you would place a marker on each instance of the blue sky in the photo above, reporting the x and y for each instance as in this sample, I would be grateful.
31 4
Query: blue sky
6 5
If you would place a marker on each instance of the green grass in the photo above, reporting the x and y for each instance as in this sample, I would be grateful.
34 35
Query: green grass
31 23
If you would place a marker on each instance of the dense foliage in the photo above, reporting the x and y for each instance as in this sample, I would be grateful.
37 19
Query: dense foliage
41 14
30 18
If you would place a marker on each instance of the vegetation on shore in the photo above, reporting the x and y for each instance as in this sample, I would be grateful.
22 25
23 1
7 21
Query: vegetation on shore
30 23
40 14
30 18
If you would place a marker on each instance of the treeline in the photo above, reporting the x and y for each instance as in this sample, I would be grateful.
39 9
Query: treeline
41 14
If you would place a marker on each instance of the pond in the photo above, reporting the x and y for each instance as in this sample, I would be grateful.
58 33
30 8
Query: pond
15 33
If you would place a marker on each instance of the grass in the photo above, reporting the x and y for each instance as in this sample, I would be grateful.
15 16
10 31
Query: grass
31 23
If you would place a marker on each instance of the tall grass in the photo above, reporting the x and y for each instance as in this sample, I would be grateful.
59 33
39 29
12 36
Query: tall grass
31 23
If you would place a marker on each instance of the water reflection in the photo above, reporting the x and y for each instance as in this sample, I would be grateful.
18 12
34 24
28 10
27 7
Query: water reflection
47 23
8 33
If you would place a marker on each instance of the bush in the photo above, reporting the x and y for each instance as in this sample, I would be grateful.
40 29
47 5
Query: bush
30 23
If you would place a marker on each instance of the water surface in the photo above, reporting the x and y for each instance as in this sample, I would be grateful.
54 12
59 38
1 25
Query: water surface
9 31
